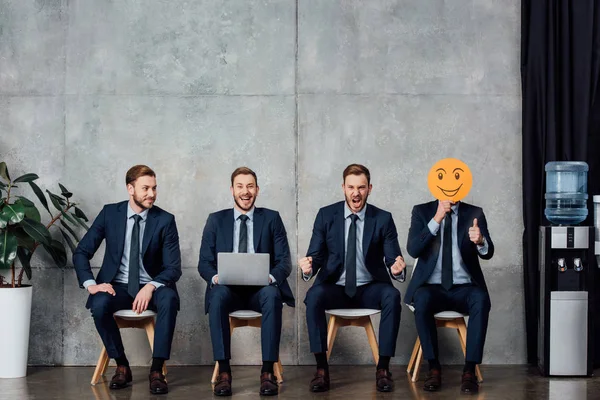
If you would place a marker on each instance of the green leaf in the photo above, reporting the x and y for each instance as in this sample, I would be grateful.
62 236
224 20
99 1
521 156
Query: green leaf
25 259
36 230
12 213
55 200
65 192
23 239
26 178
40 195
4 171
8 249
31 210
57 252
80 222
26 202
68 218
80 214
71 231
68 240
2 185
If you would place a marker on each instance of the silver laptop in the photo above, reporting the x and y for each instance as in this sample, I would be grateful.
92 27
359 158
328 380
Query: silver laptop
244 269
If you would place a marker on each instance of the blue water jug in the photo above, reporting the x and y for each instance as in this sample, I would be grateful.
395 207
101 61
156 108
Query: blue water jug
566 192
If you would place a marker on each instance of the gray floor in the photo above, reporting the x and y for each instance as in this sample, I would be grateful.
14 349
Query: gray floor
357 382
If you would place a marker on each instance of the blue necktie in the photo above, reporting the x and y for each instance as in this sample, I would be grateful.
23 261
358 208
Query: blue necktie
447 279
350 288
133 282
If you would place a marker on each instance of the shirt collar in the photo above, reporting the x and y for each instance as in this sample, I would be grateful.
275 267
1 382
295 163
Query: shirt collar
237 213
361 213
131 213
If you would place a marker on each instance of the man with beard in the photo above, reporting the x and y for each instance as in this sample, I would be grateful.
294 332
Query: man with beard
141 264
354 254
250 229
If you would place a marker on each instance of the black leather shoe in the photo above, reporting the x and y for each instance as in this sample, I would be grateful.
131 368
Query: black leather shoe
384 381
121 378
469 383
158 383
320 383
268 384
223 385
433 380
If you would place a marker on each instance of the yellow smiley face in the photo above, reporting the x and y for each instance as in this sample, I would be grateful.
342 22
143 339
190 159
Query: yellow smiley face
450 179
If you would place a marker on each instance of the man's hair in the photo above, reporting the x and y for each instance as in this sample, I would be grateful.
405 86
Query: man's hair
243 171
357 169
136 172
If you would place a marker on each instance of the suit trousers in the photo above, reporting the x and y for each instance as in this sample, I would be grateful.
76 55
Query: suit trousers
376 295
164 302
466 299
266 300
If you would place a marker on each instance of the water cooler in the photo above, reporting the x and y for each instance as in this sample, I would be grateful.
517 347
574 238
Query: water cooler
567 285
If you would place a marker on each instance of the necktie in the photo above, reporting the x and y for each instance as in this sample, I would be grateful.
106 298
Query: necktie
133 281
447 279
243 243
350 288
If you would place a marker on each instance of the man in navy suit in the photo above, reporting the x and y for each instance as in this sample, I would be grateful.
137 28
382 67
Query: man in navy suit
141 264
448 239
246 228
354 254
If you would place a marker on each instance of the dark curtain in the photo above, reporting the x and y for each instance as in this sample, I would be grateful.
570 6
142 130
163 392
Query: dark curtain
560 57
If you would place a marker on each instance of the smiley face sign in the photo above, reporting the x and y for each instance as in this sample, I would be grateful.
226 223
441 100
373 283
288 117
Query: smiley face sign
450 179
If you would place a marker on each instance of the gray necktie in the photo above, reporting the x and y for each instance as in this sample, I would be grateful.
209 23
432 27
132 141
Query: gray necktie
447 278
243 244
133 282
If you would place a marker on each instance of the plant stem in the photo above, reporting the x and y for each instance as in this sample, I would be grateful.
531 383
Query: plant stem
8 193
12 267
20 279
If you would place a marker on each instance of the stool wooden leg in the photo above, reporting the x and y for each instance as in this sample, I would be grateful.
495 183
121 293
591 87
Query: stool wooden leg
215 374
100 366
418 361
149 326
331 332
413 356
278 369
372 339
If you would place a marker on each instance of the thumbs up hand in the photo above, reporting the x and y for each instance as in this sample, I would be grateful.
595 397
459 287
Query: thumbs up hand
475 233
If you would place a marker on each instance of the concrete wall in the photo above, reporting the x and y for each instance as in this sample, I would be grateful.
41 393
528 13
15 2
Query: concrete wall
294 89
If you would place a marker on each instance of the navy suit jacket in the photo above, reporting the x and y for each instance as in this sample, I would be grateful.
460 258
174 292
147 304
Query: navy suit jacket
160 246
269 237
426 247
327 244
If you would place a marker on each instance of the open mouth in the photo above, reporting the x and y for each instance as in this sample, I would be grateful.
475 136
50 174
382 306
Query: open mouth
356 202
450 193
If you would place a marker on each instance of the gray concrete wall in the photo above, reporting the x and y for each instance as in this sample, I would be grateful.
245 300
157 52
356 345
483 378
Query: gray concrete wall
294 89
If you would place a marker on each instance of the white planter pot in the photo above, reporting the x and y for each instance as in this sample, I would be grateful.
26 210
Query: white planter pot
15 314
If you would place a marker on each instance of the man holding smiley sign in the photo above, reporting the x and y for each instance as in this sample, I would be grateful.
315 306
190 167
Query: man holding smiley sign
448 237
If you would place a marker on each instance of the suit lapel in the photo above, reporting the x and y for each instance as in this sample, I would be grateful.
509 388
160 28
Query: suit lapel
463 222
369 227
151 222
339 226
121 223
228 230
257 227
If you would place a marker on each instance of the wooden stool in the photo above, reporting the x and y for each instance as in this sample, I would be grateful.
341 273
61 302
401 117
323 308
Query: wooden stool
352 317
127 319
238 319
444 319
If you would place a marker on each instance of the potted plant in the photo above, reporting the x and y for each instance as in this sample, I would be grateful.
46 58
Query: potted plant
21 233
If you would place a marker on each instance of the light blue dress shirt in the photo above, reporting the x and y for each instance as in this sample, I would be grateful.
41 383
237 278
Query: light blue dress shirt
362 274
459 269
123 273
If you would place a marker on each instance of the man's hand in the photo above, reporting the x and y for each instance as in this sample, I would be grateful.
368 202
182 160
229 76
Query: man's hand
398 266
216 279
475 234
444 207
103 287
140 304
305 265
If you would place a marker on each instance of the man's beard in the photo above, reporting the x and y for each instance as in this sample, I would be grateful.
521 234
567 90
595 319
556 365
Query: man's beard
140 204
235 199
350 205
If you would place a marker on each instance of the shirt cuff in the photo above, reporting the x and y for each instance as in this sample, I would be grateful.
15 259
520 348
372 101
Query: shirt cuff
483 248
433 226
307 277
212 281
156 284
273 280
89 282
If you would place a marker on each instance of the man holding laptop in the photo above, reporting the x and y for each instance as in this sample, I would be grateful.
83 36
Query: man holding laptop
253 277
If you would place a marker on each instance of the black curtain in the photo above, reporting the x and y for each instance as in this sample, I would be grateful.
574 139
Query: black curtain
560 71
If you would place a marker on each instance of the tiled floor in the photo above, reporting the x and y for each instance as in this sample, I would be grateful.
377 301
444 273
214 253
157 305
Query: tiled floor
348 382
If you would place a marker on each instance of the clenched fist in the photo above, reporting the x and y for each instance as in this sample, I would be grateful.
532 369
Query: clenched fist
305 265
